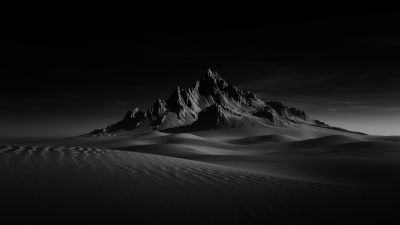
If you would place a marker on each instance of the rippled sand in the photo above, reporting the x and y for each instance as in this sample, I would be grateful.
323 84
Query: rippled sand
194 179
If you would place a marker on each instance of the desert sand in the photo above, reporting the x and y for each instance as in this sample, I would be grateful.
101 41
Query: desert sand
307 175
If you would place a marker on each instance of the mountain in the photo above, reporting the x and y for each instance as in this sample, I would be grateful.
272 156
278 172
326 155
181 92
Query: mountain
210 103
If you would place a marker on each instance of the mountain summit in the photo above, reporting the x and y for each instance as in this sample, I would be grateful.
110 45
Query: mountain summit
210 103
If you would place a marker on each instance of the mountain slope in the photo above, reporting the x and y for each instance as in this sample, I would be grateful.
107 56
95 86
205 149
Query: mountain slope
210 103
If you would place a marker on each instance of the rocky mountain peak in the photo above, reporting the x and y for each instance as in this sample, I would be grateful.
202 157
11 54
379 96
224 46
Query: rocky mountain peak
210 74
132 113
211 103
212 81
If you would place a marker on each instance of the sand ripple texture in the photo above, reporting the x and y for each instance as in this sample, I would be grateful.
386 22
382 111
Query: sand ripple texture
65 181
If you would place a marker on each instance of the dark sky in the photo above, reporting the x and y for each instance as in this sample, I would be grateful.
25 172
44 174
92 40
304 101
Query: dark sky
67 69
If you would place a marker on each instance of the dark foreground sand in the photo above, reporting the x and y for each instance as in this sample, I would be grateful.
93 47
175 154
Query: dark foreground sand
197 179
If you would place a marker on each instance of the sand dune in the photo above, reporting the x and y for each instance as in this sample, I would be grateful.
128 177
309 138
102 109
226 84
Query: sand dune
261 139
325 141
331 157
298 131
203 178
45 182
385 138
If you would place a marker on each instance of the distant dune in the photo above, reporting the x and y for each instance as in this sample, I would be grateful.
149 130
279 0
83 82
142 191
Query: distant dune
261 139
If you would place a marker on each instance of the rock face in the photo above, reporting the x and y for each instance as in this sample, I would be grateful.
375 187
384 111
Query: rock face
210 103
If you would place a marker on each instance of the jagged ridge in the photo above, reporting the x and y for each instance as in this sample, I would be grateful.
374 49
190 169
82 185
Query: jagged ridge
210 103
